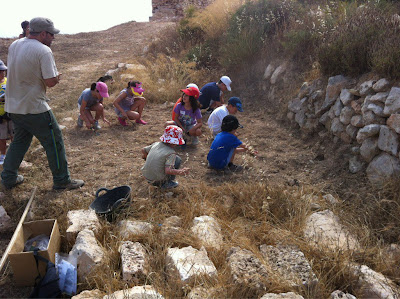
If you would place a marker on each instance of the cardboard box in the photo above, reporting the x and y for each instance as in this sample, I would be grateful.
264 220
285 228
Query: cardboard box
24 263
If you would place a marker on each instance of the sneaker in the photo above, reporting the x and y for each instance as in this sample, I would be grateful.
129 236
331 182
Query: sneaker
73 184
234 168
79 122
170 185
141 122
122 121
195 140
2 157
96 125
19 180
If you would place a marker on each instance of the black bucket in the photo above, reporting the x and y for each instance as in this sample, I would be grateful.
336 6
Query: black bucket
112 201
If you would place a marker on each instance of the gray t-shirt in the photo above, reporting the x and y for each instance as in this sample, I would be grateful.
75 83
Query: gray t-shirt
88 98
160 155
29 63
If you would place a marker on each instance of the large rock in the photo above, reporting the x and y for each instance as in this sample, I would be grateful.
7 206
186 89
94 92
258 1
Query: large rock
88 253
393 122
337 127
133 227
346 114
368 131
324 231
188 262
376 108
290 264
5 220
392 103
333 90
268 71
357 121
366 88
247 269
381 85
355 164
289 295
337 108
134 260
370 118
352 131
373 285
79 220
388 140
277 74
383 168
138 292
89 294
341 295
346 97
369 149
379 98
208 230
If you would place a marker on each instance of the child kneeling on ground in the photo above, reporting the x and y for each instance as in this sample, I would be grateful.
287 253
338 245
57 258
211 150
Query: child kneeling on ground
226 145
162 162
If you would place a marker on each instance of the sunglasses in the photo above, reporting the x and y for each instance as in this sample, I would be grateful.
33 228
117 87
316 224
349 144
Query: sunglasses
51 34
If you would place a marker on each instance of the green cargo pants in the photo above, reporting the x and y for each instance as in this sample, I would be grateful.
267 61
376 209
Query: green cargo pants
45 128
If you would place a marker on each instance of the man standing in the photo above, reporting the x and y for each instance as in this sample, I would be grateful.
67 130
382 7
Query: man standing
31 69
215 120
211 93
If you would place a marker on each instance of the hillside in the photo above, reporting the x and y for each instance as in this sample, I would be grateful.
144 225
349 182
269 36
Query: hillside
287 161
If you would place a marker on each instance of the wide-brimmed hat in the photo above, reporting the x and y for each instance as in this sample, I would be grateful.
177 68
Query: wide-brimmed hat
103 89
173 135
2 66
192 91
42 24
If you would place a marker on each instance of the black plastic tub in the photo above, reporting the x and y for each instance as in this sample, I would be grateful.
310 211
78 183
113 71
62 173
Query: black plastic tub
112 201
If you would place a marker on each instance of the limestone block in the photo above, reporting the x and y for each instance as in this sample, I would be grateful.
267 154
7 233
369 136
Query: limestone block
290 264
368 131
188 262
337 127
352 131
92 294
382 168
88 253
393 122
134 260
277 74
392 103
381 85
346 114
357 121
289 295
268 71
138 292
341 295
247 269
345 96
366 88
369 149
324 230
5 220
79 220
379 98
372 284
133 227
388 140
208 230
355 164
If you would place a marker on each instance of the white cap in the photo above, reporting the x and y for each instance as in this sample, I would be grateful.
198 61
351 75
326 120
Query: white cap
227 81
192 85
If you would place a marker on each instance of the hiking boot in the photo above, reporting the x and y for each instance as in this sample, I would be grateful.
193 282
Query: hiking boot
141 122
73 184
79 122
195 140
19 180
2 158
96 125
170 185
234 168
122 122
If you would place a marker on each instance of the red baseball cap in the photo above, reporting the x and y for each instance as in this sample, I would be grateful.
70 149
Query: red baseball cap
192 91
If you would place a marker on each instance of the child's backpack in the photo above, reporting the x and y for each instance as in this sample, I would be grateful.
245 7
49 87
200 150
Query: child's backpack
47 286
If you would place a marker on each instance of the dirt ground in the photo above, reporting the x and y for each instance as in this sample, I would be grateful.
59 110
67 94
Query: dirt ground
112 158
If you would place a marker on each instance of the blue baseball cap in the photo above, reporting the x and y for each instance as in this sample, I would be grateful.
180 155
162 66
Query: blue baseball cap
236 102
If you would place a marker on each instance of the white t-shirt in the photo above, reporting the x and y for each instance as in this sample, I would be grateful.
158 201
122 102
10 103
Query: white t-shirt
215 119
29 63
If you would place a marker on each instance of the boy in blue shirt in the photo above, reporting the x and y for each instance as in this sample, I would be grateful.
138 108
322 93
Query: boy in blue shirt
226 145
